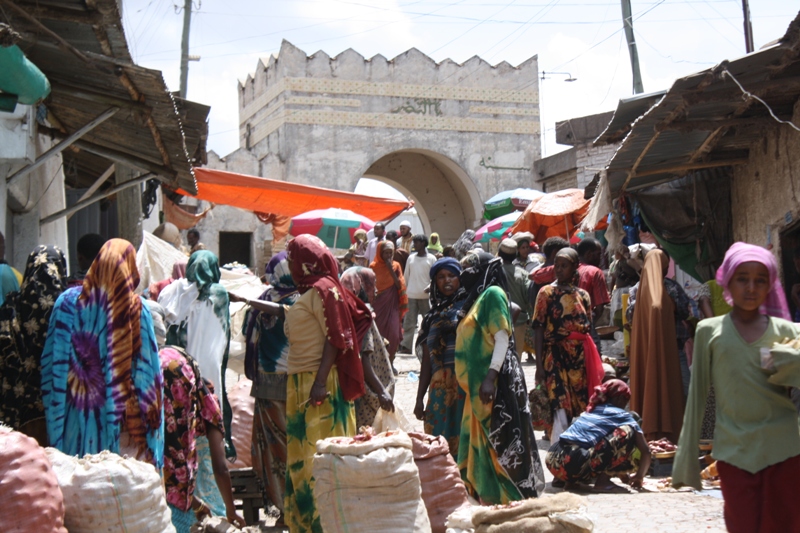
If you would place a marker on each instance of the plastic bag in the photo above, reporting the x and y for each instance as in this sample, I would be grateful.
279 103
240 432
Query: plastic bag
392 421
560 425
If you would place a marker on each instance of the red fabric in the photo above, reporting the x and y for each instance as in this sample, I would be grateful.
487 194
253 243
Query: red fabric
284 198
591 360
346 317
280 224
764 502
543 276
613 388
593 281
182 219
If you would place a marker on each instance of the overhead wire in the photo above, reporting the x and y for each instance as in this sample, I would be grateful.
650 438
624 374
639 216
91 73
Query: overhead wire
747 95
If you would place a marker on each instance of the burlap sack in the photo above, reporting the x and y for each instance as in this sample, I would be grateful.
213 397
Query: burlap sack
30 498
371 486
108 493
519 512
443 490
242 407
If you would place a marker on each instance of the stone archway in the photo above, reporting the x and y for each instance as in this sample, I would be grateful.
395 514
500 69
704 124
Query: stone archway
445 197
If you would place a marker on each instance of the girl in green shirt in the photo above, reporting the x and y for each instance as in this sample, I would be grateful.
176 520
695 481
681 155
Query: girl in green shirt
756 438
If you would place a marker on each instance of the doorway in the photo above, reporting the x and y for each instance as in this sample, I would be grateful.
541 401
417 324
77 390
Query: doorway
790 264
235 246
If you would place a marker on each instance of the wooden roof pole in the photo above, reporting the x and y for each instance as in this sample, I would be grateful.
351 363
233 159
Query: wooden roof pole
57 149
61 42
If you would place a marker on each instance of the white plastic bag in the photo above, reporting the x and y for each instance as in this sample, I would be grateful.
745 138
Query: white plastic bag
560 425
392 421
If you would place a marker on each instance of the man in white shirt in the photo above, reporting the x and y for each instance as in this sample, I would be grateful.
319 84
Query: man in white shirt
417 274
404 241
372 245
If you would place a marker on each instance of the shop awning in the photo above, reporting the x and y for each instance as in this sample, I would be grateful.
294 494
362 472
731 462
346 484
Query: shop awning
286 199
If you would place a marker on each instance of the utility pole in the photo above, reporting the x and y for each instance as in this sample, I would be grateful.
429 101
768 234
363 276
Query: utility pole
187 20
627 21
748 27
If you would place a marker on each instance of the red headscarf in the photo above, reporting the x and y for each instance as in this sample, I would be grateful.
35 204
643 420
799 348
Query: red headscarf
613 388
346 317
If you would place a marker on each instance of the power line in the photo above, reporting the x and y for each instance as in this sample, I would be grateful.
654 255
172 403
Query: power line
475 26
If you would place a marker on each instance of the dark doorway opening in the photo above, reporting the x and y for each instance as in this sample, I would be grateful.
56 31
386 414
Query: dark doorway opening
235 246
790 247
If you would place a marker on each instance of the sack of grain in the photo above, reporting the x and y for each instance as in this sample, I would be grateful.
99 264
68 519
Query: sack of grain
106 492
443 490
242 407
369 484
30 497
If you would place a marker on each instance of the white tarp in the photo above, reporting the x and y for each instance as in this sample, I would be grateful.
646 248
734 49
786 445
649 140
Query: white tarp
155 259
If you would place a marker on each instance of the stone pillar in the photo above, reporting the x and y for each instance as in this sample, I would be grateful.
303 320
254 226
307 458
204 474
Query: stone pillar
129 205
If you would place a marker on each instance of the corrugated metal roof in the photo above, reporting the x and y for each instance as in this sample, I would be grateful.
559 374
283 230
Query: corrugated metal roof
91 71
703 120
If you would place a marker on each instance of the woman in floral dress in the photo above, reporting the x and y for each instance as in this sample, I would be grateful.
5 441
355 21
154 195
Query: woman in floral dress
24 318
190 411
561 322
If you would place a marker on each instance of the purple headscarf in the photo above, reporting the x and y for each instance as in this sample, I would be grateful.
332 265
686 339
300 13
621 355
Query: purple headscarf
741 252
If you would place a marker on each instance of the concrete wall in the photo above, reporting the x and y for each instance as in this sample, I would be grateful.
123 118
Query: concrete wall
590 160
765 190
330 121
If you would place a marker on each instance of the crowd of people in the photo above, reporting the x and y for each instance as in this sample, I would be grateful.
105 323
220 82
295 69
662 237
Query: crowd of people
88 364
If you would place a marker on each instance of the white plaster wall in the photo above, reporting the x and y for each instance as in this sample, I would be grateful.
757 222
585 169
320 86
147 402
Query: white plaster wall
767 188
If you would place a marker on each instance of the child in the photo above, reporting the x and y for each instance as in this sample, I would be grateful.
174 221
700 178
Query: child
757 442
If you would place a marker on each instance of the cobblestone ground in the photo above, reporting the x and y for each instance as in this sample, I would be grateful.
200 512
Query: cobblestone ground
676 512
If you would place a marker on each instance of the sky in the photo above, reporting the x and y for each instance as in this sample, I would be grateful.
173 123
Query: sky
582 39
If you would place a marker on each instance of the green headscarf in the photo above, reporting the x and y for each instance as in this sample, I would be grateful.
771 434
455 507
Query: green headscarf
203 269
435 248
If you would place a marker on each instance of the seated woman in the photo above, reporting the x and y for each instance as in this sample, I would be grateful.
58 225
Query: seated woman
600 442
191 411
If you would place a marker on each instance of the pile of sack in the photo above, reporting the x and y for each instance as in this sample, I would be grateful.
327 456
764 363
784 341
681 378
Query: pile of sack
561 513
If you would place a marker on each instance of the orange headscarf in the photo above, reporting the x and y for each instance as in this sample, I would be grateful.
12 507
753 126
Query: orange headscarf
384 279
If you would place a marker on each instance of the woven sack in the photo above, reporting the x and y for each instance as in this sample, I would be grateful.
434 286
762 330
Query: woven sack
369 486
242 407
105 493
443 490
30 499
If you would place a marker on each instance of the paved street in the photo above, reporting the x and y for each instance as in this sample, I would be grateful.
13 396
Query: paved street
674 512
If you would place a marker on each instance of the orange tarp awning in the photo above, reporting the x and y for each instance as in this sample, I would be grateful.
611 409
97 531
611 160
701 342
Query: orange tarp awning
287 199
556 214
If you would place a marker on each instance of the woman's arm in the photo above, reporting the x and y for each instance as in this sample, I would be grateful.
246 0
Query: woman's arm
269 308
221 474
424 382
397 284
644 462
319 391
538 344
705 307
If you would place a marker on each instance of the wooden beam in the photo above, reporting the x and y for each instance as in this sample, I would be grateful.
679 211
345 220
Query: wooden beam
151 123
128 159
24 171
712 125
98 98
96 185
632 171
66 15
53 35
789 84
89 201
692 166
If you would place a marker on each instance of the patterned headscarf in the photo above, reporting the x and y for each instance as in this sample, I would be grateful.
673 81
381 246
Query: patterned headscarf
100 366
359 279
740 252
464 243
486 272
613 388
439 302
281 290
347 318
23 329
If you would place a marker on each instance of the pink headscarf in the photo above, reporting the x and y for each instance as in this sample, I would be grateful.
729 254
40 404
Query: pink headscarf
741 252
